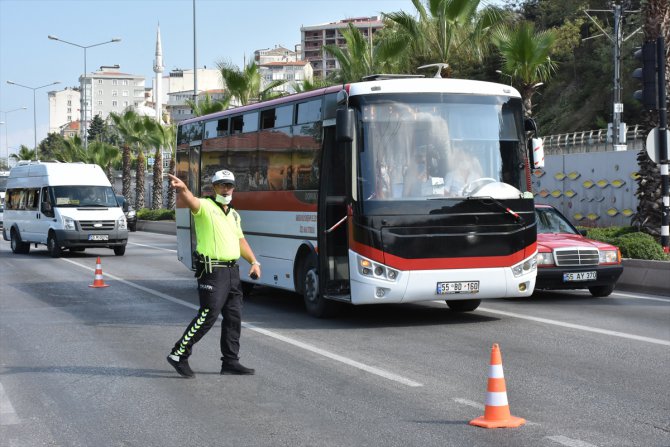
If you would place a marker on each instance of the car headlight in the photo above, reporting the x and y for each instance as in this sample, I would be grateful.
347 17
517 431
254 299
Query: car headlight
121 223
131 213
609 256
69 224
368 268
545 258
525 266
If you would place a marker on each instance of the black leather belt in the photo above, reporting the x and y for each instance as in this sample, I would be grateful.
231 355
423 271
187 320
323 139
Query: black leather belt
218 263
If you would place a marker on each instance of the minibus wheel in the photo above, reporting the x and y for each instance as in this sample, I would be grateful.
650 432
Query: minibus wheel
120 250
17 245
52 245
463 305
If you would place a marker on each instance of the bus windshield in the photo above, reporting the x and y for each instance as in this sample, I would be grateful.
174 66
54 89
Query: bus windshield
84 196
423 146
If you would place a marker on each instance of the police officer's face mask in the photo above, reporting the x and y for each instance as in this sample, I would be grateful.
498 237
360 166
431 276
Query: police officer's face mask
224 200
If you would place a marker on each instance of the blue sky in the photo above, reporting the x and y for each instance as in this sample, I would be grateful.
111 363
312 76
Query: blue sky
227 30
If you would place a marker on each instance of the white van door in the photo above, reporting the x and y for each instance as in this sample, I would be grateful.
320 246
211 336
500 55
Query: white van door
30 215
44 218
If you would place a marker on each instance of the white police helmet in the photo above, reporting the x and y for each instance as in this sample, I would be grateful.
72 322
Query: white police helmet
223 176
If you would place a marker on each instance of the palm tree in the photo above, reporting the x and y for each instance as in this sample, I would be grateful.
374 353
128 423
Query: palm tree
129 128
245 85
359 58
525 53
207 105
308 85
104 155
23 154
444 32
72 150
160 137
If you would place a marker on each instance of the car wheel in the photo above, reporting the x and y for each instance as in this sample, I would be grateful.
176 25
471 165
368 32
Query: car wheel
120 250
463 305
316 305
52 245
132 227
601 291
18 246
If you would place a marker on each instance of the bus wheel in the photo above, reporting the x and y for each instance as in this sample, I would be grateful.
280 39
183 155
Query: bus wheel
53 247
316 305
17 245
463 305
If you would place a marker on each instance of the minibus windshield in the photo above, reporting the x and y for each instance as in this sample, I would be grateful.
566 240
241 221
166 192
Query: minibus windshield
84 196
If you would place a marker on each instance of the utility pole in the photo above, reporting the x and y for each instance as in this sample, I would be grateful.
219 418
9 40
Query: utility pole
618 128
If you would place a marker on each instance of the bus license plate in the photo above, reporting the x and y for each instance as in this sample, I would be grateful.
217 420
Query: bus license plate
445 288
98 237
579 276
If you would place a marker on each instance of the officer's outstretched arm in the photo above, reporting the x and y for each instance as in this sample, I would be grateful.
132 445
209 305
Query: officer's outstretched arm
185 199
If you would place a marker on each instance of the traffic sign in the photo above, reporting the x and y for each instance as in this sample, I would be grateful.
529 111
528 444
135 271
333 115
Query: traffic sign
654 144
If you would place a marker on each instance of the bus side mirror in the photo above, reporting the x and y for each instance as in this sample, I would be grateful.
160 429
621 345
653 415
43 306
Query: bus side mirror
344 124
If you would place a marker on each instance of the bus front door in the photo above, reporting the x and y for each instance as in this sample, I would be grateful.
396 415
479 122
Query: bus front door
333 222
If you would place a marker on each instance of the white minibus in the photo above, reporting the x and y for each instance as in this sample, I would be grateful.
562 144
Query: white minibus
64 206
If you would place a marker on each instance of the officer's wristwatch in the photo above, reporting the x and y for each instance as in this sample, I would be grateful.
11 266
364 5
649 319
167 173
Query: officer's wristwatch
256 263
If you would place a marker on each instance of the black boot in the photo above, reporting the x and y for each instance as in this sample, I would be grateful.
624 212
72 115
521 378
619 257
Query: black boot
235 367
181 365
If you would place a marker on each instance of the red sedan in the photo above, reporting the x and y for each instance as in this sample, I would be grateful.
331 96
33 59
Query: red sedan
568 260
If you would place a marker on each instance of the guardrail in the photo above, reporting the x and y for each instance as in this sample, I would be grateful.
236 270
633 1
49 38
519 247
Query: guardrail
592 141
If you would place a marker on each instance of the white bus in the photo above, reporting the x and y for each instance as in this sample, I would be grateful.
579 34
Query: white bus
391 190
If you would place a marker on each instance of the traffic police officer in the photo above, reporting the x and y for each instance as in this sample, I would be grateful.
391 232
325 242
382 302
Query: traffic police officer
220 242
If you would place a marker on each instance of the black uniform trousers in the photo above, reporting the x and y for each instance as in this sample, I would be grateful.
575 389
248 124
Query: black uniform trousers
220 293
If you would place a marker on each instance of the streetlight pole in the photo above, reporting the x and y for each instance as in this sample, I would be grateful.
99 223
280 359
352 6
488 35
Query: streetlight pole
84 101
505 74
7 128
34 89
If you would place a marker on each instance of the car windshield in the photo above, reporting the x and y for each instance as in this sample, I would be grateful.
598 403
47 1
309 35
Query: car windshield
551 221
88 196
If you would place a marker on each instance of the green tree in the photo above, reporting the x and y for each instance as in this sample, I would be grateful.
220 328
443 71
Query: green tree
104 155
526 57
50 146
97 131
446 31
161 138
130 131
72 151
23 154
358 58
245 85
309 85
207 105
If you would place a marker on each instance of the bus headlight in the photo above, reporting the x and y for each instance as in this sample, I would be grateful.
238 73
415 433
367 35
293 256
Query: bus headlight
372 269
525 266
69 224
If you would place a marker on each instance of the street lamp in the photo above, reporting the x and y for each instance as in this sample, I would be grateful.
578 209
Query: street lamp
505 74
34 89
7 127
84 99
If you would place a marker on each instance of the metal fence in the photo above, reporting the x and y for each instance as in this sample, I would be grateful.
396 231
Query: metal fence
597 140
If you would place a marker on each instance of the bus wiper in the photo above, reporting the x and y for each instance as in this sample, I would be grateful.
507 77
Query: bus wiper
500 205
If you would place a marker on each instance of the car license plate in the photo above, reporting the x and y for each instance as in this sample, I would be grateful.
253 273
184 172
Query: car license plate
445 288
579 276
98 237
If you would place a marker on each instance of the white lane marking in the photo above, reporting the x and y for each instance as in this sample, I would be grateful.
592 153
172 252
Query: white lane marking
577 326
347 361
569 442
152 246
639 297
7 414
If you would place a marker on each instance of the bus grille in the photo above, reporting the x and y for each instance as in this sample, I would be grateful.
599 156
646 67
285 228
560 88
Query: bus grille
97 225
576 256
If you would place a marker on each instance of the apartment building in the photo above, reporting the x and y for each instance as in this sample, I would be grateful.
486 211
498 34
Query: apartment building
277 54
64 107
178 108
110 90
314 37
294 73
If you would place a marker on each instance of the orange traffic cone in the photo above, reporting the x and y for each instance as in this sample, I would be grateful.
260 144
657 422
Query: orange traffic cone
496 411
98 281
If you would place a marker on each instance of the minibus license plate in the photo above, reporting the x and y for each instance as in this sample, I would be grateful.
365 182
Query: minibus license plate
445 288
98 237
579 276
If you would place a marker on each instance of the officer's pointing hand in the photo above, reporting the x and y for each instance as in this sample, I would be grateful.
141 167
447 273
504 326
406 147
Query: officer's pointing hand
176 183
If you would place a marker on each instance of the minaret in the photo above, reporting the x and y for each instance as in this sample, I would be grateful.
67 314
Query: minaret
158 69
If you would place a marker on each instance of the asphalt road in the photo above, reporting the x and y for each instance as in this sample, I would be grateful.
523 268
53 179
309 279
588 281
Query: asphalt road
83 366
